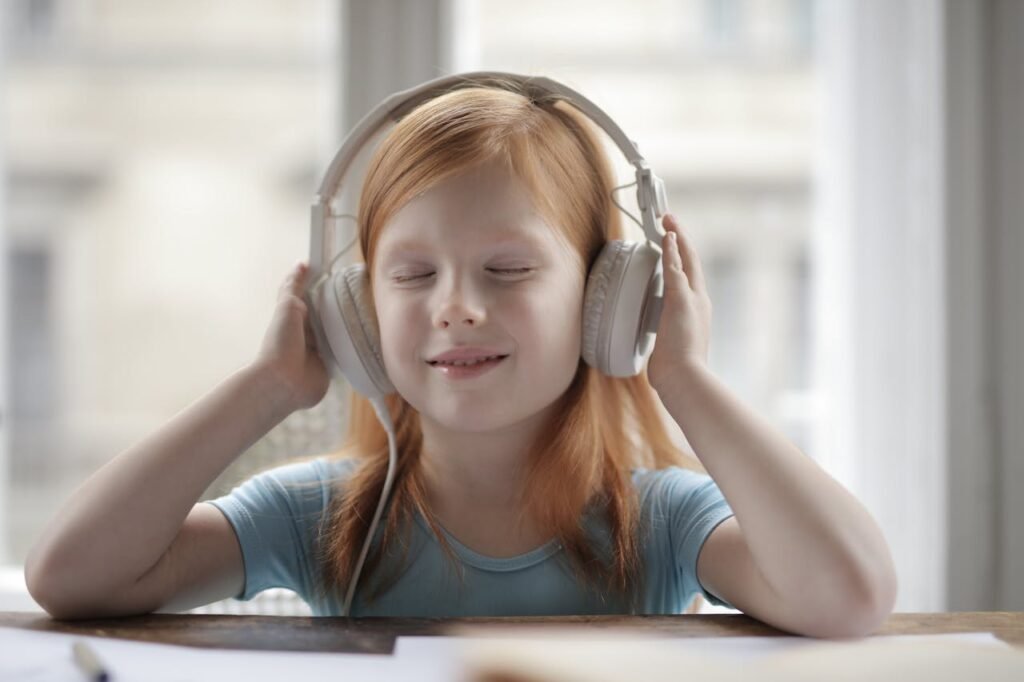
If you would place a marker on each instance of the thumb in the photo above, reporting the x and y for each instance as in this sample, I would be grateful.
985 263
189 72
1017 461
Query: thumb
295 282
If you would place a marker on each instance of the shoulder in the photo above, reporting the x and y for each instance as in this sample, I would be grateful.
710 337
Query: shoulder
319 470
683 501
672 485
300 484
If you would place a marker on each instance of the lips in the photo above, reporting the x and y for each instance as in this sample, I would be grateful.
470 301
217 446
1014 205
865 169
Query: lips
461 370
468 362
467 354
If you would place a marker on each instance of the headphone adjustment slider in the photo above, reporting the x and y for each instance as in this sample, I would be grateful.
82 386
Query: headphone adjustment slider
650 191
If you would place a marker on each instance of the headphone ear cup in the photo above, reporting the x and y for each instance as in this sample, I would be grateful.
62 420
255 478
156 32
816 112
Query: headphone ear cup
349 328
595 321
621 307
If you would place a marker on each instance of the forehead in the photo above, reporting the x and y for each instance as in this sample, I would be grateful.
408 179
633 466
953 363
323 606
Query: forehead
481 207
397 242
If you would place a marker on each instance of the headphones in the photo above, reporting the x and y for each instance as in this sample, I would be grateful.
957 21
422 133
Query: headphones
624 292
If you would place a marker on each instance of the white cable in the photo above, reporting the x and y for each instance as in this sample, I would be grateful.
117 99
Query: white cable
384 416
380 407
621 207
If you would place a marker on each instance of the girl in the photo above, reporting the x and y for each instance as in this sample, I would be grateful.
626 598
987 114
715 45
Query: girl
528 483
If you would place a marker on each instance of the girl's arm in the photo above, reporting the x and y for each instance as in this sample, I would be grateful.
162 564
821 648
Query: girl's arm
801 552
120 523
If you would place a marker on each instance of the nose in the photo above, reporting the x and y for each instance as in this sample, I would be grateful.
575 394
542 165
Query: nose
459 307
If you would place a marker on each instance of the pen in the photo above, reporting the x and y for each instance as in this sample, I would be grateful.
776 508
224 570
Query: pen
88 663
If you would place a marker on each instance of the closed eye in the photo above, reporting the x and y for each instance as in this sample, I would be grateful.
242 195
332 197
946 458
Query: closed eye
409 278
501 271
513 271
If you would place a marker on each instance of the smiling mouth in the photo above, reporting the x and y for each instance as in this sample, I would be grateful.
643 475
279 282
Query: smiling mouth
465 363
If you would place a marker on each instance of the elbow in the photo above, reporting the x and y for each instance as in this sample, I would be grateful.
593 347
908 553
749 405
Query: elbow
66 595
46 595
862 611
61 607
878 601
876 596
41 582
866 615
57 596
36 585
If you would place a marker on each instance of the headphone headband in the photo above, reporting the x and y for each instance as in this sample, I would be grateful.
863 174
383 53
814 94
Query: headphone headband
650 188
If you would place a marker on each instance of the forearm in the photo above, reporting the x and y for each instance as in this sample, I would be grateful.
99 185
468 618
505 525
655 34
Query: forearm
810 538
122 519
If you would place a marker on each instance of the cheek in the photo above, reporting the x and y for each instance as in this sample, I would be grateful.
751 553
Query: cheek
571 327
556 324
398 331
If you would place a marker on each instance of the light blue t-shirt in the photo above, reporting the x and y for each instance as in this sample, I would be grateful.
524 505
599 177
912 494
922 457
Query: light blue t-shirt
275 516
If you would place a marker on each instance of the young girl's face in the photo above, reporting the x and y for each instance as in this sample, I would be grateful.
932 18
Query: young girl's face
472 263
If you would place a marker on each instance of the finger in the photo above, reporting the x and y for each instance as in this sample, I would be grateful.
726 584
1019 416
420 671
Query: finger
688 254
307 331
672 264
294 283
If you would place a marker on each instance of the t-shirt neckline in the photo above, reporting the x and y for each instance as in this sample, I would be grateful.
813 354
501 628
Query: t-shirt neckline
473 558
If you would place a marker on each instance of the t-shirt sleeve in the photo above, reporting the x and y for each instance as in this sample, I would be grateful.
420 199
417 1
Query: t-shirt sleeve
696 507
275 515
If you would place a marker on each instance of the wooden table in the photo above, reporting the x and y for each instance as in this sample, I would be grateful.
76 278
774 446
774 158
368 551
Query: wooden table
377 635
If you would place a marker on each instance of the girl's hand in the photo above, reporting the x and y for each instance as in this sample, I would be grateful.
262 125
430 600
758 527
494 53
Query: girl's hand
289 347
684 330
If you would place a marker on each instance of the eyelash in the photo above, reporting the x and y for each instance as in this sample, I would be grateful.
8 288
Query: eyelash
515 271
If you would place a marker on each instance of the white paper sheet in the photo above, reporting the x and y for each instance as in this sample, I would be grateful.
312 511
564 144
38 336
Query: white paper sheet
32 656
733 649
612 656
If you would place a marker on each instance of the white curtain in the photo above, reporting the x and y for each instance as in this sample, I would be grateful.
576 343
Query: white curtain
5 550
917 255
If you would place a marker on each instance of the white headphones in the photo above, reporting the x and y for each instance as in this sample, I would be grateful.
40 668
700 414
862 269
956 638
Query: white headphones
621 306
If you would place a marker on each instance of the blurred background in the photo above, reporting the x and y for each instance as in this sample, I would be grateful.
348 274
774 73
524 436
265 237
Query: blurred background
851 173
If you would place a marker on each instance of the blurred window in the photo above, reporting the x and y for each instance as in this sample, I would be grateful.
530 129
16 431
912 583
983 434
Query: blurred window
160 158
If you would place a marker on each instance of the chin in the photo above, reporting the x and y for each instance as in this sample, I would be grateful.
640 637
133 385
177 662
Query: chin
471 415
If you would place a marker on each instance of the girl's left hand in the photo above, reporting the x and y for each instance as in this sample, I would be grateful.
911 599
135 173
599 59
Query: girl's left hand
684 331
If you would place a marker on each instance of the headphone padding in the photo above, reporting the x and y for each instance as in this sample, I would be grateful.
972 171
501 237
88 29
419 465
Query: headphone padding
621 307
351 329
604 276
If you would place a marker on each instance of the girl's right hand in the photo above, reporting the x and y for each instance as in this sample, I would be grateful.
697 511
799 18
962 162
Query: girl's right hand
289 347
